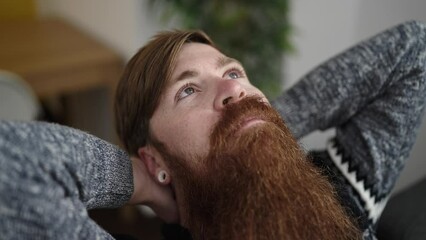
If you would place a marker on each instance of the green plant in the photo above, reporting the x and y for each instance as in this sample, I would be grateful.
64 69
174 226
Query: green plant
252 31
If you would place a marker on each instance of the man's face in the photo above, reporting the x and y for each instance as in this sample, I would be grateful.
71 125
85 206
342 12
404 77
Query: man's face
203 82
237 171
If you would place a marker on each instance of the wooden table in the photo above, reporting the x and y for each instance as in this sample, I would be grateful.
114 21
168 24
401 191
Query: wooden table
56 58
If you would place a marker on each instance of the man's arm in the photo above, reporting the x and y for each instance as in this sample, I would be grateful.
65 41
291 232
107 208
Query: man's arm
374 94
50 175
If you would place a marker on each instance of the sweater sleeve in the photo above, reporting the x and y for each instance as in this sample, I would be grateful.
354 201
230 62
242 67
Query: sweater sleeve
51 174
374 94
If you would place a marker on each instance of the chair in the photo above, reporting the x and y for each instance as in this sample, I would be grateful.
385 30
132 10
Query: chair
405 215
17 99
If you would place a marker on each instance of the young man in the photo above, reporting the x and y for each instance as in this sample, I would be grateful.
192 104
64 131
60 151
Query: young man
215 157
216 143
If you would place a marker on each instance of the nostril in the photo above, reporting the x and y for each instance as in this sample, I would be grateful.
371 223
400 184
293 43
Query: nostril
226 100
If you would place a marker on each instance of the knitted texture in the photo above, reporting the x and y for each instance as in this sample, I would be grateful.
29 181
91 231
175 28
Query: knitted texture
50 175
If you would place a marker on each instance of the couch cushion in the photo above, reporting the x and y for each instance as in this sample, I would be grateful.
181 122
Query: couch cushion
405 215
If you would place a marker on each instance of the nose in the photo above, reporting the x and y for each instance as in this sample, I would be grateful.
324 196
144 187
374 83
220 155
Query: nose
228 91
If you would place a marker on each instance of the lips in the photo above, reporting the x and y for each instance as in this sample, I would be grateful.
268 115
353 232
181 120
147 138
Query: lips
250 121
243 115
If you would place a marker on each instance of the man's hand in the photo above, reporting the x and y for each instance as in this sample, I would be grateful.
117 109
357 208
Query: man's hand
148 191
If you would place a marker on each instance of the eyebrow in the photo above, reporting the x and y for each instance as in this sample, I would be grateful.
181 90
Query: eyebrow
220 63
186 74
223 61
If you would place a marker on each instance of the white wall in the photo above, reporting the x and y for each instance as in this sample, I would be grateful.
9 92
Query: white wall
321 29
377 15
324 28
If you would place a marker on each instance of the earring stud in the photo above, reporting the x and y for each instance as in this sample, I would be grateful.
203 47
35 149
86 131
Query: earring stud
162 176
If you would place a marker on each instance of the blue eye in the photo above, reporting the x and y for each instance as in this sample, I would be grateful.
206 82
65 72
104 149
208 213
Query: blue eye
188 91
234 73
185 91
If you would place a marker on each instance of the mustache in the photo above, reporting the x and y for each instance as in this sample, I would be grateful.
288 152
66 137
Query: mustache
235 115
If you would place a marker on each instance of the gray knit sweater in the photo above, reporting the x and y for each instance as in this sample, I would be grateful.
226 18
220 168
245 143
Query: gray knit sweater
50 175
373 94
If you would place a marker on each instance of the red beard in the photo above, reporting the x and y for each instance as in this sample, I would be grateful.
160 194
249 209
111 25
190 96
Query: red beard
256 183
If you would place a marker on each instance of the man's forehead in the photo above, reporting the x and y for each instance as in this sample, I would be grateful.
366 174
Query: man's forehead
193 53
193 57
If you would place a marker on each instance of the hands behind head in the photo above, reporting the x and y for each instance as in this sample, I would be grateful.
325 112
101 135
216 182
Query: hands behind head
149 191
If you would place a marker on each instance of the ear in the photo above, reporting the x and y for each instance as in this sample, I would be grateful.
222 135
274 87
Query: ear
155 164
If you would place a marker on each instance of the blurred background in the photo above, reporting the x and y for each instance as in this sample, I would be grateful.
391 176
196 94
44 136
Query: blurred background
61 59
